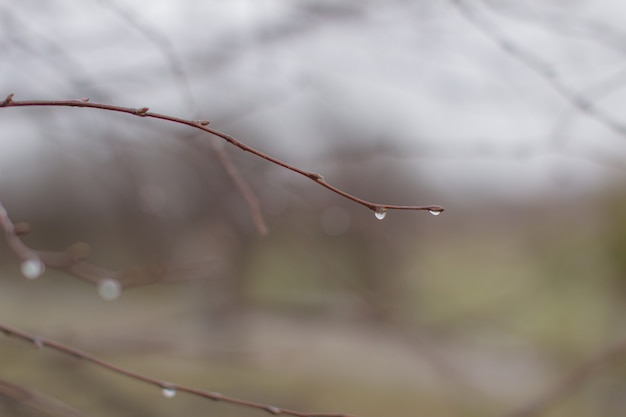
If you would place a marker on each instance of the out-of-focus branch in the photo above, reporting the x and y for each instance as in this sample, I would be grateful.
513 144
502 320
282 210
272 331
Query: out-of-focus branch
380 209
168 389
539 67
21 398
72 260
165 46
568 385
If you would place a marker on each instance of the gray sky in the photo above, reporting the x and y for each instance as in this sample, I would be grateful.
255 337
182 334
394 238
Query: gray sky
463 113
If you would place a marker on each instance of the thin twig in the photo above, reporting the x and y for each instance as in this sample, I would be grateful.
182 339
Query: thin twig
41 342
72 260
203 125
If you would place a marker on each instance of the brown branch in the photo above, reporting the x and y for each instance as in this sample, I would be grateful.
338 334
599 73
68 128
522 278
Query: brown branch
72 260
169 389
203 125
568 385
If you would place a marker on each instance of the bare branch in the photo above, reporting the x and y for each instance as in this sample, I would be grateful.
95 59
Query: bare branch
202 125
169 389
72 260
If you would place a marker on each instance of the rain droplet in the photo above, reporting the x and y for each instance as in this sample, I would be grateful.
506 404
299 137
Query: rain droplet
39 344
32 268
380 213
109 289
168 392
436 211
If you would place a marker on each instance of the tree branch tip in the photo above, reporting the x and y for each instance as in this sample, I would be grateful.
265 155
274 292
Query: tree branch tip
436 209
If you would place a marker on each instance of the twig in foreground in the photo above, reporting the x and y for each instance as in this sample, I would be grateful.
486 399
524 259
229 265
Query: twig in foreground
168 389
379 209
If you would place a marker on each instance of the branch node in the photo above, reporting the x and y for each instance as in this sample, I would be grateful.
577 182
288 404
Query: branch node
8 100
202 122
142 111
273 410
216 396
316 177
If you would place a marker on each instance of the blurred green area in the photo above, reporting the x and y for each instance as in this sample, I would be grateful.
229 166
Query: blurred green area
472 313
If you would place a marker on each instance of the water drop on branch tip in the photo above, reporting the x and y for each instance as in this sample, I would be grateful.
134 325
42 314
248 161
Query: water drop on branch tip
168 392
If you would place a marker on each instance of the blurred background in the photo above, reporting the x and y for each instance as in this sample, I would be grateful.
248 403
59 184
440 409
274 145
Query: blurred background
508 114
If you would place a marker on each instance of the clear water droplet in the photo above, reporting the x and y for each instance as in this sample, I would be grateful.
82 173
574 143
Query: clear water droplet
32 268
168 392
436 211
380 213
109 289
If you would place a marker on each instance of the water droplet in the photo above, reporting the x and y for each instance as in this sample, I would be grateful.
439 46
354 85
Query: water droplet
109 289
273 410
32 268
39 344
436 211
380 213
168 392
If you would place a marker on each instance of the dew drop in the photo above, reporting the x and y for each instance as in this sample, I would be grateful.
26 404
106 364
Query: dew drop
168 392
32 268
39 344
435 212
109 289
380 213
